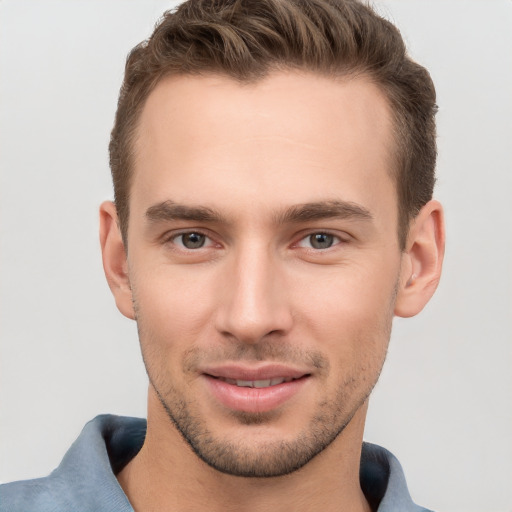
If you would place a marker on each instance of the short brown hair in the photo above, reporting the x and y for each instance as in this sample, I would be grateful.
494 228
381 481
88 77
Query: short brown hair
246 39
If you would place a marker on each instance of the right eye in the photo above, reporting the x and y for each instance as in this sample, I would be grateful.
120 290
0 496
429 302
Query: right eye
191 240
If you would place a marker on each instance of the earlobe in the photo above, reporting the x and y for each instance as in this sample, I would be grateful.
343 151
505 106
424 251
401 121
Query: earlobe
422 260
115 263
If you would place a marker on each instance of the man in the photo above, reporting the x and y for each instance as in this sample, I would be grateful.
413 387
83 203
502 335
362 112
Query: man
273 166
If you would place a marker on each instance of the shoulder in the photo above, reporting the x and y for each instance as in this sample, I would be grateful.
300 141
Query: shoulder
38 495
85 479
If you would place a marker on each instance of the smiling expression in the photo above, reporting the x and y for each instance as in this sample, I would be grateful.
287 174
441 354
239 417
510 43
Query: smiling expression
264 261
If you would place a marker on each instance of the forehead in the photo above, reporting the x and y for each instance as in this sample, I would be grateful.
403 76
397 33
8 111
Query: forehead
289 138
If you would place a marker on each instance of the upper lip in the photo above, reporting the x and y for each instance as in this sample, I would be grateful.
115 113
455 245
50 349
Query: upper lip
250 373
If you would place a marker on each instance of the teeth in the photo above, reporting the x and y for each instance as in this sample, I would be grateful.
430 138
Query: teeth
261 383
247 383
258 383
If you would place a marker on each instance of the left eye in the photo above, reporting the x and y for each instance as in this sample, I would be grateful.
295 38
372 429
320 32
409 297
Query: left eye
319 241
191 240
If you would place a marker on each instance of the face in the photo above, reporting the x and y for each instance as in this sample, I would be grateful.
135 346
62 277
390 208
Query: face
263 259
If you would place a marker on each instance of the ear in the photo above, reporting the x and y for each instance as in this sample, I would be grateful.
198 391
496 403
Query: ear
115 263
422 260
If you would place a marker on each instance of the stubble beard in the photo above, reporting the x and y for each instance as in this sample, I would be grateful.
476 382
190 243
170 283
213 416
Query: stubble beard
270 459
274 458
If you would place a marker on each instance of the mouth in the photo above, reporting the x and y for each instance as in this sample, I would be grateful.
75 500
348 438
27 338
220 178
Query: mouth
255 390
264 383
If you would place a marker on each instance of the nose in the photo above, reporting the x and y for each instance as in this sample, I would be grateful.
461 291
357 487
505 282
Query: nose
253 303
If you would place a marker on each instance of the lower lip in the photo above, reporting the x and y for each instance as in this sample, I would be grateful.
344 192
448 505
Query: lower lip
254 400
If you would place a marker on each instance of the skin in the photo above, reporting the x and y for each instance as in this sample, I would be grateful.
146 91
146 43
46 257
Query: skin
236 164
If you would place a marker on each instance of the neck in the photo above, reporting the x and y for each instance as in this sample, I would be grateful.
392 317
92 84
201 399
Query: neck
167 475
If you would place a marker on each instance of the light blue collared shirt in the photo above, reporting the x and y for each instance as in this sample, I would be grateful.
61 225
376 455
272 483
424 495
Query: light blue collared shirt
85 480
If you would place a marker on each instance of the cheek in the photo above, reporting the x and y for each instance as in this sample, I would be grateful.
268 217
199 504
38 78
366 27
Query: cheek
171 308
349 313
345 296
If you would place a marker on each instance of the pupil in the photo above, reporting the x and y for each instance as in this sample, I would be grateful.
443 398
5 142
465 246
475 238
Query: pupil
321 240
193 240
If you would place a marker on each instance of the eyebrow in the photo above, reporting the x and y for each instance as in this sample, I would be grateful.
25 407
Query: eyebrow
171 211
320 210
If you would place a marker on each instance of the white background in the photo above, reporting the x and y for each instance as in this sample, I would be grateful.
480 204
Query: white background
444 402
